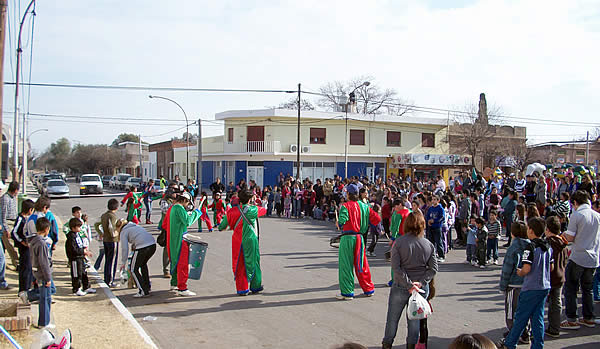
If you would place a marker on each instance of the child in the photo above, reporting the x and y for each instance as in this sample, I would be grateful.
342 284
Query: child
287 206
374 231
18 235
494 228
481 241
537 265
76 254
557 276
510 282
399 214
133 210
42 269
204 218
423 330
218 208
264 203
85 232
471 241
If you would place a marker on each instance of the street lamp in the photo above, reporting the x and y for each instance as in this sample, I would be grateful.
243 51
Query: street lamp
346 101
36 131
187 135
16 118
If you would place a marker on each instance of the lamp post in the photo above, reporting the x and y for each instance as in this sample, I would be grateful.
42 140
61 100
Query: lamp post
16 118
187 135
347 101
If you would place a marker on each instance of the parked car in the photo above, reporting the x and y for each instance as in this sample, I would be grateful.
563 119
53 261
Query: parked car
121 180
113 182
106 181
45 179
133 182
90 183
57 188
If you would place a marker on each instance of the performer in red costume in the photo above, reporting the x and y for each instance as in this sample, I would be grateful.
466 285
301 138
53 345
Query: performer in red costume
244 243
218 207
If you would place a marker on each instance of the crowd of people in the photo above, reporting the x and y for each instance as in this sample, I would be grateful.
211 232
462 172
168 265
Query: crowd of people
551 227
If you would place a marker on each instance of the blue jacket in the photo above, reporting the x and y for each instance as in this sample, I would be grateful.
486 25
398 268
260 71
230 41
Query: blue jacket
436 213
512 260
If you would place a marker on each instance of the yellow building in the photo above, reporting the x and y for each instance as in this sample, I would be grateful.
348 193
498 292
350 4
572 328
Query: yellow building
262 144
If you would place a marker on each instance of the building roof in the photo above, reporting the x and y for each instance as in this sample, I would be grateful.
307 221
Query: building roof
414 118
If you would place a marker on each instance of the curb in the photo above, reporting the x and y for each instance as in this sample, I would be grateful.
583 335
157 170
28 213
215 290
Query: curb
121 308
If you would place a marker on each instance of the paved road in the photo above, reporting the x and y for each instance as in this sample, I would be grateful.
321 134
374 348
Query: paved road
298 309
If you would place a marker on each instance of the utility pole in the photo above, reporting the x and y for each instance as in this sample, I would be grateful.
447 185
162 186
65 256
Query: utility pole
3 5
141 159
298 139
199 167
587 148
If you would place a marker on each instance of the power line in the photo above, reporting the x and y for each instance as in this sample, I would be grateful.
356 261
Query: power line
147 88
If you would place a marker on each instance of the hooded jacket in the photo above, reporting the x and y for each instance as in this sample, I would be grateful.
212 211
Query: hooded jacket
560 256
512 259
41 264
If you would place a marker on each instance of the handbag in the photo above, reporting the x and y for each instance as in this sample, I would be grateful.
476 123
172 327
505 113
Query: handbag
162 238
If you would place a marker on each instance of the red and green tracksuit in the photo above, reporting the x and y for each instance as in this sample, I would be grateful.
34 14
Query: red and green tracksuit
176 223
204 218
245 254
397 229
355 218
218 207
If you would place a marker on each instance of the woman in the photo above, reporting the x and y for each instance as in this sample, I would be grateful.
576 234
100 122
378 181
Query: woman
414 264
143 246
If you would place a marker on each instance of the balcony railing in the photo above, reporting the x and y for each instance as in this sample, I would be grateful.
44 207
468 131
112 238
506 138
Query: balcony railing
253 147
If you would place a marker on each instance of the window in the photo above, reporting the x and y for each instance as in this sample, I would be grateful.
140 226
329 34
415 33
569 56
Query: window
393 139
317 135
428 140
230 135
357 137
580 153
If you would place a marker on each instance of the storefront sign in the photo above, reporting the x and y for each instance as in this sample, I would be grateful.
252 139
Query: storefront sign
402 160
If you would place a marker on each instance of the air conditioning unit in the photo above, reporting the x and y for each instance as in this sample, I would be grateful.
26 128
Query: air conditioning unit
306 149
293 148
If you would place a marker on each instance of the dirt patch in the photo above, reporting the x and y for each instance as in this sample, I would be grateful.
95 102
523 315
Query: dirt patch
93 319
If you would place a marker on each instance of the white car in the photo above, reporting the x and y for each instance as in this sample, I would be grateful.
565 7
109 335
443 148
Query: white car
133 182
121 180
112 183
90 183
57 188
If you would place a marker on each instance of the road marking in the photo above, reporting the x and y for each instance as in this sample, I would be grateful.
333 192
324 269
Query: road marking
121 308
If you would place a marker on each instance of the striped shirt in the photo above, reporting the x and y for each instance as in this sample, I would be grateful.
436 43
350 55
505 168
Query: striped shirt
563 207
8 208
493 229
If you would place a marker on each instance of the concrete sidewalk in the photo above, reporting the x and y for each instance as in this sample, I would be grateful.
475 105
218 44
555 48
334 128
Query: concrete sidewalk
93 319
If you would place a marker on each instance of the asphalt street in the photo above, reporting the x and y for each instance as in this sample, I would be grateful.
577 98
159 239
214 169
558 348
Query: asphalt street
298 308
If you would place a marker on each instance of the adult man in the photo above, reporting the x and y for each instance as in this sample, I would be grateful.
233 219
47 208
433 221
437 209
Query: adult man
245 251
584 232
217 186
8 208
163 182
176 222
354 218
318 188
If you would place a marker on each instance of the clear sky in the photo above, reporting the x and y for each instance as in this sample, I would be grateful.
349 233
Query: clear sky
535 59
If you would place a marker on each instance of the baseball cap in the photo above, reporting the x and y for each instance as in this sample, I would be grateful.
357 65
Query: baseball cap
352 189
188 196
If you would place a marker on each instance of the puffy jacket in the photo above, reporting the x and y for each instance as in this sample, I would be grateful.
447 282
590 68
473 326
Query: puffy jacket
512 260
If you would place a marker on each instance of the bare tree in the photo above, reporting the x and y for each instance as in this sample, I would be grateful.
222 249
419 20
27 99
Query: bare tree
292 104
371 99
473 131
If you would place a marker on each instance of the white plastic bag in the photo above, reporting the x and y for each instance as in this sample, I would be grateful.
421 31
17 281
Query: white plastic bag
418 307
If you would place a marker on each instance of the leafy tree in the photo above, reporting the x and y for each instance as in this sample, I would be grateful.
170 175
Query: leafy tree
94 158
125 137
58 154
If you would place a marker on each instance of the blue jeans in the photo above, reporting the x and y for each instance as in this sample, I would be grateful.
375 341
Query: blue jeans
397 302
435 236
45 303
531 306
297 207
492 248
3 283
470 252
596 286
148 205
576 275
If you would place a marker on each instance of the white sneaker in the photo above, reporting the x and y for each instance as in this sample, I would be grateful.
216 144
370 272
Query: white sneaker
50 327
90 290
482 267
473 263
186 293
495 262
173 288
23 297
343 298
139 295
467 261
441 260
79 293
